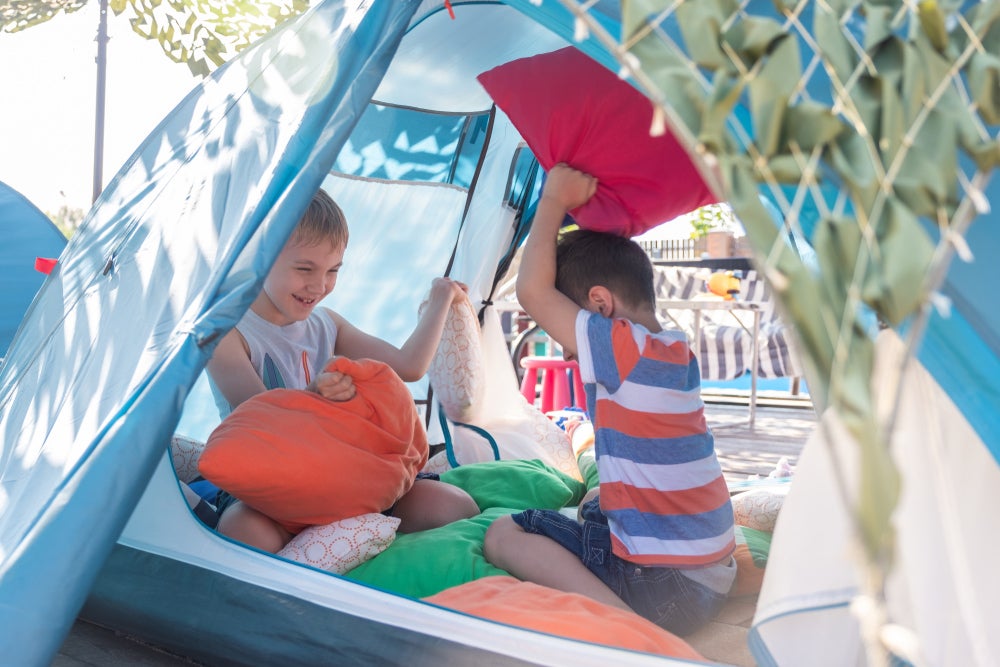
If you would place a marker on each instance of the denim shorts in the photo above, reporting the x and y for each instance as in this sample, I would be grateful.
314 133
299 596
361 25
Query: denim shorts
662 595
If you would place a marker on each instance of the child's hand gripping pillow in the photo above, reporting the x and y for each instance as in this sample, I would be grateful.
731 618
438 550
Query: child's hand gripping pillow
304 460
571 109
456 372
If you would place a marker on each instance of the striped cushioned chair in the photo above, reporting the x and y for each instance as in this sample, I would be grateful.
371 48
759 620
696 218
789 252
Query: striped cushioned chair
725 336
777 354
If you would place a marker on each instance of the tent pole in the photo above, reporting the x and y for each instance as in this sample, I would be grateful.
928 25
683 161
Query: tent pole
102 72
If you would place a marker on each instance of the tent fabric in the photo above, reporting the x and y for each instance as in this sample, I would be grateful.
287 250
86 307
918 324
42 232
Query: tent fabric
961 348
177 246
941 586
27 233
164 262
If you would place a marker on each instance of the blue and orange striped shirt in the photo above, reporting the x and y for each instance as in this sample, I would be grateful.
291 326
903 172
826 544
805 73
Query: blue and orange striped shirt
662 488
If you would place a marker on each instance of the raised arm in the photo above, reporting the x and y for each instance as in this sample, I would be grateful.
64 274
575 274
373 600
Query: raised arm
565 189
412 360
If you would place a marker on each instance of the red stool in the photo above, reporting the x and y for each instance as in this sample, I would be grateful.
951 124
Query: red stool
555 382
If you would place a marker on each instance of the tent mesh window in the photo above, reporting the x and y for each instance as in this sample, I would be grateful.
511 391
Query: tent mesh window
404 144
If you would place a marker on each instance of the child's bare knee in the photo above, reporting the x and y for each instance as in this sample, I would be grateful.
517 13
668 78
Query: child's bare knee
497 535
431 504
465 507
451 504
245 524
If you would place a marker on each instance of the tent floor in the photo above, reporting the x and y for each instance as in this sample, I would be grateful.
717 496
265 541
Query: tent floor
778 432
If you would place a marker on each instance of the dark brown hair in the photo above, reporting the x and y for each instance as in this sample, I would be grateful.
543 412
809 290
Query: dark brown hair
585 258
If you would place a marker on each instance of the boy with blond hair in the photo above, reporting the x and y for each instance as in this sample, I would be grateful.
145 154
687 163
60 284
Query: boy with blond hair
285 341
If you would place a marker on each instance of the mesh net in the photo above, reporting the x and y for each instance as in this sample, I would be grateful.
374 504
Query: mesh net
869 129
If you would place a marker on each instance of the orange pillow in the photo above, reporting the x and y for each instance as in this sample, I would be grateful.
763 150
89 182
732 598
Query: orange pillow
749 576
304 460
528 605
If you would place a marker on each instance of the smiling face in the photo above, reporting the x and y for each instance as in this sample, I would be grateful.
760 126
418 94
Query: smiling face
302 275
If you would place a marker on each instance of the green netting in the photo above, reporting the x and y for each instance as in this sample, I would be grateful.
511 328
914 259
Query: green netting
871 126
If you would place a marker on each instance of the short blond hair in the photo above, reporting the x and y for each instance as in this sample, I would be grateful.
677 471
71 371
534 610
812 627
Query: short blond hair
323 221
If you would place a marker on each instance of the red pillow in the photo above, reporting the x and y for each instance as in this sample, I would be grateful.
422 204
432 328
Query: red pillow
527 605
569 108
304 460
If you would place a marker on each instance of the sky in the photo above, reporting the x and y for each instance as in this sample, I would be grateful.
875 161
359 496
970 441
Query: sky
48 83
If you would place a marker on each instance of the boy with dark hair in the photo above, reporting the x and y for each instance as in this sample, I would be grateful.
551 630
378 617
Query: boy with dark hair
658 537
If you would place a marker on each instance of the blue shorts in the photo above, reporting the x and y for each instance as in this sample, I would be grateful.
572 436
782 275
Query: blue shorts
224 499
662 595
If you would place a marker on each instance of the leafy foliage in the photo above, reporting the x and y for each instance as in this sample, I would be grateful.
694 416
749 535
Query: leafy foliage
206 33
867 110
709 218
20 14
201 33
67 219
875 123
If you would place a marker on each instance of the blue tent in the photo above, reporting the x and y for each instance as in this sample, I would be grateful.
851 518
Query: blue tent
176 248
28 233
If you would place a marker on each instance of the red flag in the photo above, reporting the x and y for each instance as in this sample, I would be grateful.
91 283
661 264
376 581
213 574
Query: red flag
45 264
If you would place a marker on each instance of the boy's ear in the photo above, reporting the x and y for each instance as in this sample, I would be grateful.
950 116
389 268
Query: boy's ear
602 300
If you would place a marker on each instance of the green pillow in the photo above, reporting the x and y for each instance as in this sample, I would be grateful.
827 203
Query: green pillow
518 484
758 543
425 563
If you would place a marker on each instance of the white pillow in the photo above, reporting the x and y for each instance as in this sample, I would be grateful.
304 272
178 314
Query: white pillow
759 508
185 452
456 372
342 545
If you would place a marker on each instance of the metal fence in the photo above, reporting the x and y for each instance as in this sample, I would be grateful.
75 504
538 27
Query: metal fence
671 249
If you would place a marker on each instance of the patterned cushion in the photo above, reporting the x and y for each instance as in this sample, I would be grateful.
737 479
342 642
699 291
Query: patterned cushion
758 508
342 545
456 372
185 453
677 282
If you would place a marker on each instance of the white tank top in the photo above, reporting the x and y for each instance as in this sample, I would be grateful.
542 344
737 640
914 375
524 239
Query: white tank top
287 356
